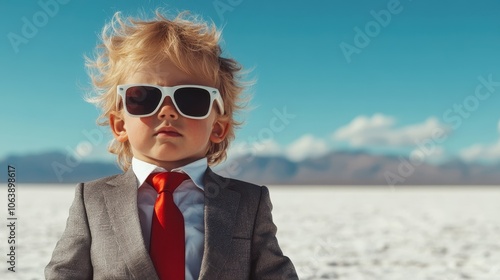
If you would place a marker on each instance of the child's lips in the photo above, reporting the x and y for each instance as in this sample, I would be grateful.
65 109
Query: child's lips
168 132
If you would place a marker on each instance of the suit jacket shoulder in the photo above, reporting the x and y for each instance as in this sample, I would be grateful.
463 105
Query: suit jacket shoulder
240 231
103 239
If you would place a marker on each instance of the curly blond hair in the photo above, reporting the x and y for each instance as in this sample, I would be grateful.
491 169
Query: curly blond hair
189 43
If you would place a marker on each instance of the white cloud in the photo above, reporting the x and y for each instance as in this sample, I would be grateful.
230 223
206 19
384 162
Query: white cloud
262 148
235 150
380 130
306 146
431 153
90 152
482 152
84 148
268 147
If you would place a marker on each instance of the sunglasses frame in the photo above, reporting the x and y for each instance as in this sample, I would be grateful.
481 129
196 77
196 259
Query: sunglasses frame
214 93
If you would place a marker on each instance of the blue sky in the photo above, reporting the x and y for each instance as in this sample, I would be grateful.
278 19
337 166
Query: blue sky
383 76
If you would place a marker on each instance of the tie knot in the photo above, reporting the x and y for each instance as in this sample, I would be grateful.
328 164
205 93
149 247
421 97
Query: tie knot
166 181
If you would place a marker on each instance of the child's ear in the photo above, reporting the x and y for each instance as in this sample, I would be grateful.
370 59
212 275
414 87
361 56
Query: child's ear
117 125
220 129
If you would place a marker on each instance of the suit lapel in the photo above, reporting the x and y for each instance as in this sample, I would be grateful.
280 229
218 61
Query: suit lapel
221 205
121 204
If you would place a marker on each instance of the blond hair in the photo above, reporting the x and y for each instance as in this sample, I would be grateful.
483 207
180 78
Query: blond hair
189 43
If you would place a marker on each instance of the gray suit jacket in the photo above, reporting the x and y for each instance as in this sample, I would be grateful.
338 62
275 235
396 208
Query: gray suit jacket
103 238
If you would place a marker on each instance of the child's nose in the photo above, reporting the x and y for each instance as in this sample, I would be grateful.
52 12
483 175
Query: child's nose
167 110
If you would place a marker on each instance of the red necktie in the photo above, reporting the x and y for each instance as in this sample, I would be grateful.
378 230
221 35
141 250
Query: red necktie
167 248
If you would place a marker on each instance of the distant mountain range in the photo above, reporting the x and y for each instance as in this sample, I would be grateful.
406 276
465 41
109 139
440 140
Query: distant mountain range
361 168
336 168
55 167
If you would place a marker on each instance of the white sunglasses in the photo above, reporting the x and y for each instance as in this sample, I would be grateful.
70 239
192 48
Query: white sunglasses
191 101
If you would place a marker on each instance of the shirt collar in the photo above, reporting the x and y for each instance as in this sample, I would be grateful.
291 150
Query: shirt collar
195 170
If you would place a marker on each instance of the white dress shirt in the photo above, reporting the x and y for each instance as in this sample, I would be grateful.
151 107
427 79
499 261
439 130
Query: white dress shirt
189 198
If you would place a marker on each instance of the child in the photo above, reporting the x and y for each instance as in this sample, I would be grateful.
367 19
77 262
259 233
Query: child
169 99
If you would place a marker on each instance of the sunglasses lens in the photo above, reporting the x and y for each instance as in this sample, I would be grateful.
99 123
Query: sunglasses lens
191 101
142 100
